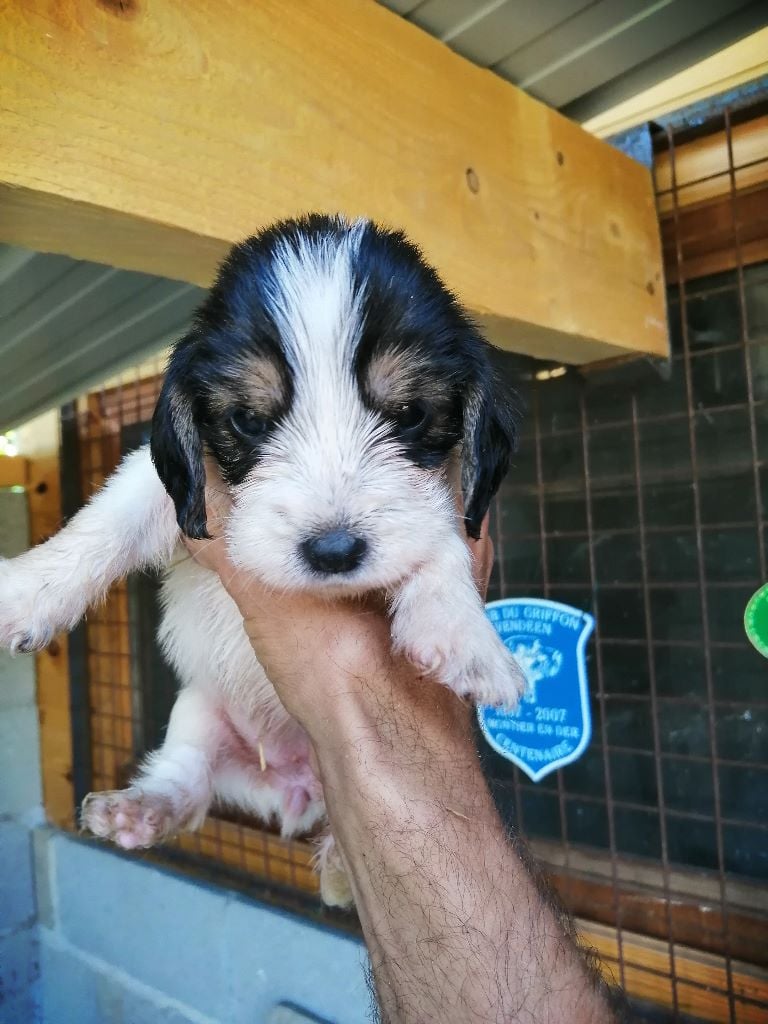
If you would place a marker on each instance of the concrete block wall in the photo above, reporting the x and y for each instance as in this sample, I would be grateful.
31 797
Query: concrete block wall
20 805
125 942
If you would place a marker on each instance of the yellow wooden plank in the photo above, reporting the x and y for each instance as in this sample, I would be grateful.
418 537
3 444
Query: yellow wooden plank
702 978
14 470
700 170
52 664
152 135
742 62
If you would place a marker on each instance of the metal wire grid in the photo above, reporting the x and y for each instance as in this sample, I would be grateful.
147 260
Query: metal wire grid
645 503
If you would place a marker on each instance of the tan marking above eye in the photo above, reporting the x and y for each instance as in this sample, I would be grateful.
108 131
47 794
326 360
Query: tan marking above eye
395 378
258 384
264 383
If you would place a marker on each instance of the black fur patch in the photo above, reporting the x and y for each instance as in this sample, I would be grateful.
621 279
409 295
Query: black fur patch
176 446
208 375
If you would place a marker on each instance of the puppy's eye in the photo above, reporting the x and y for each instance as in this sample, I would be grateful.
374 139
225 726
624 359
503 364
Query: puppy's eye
413 418
248 424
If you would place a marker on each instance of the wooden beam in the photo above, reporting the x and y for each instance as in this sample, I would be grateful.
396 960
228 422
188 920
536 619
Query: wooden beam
742 62
151 136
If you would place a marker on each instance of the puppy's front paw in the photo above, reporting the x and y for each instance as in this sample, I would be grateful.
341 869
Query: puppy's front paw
461 648
26 622
128 817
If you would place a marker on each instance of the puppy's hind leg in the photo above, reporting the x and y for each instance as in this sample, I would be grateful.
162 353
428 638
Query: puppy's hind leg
174 788
335 887
129 524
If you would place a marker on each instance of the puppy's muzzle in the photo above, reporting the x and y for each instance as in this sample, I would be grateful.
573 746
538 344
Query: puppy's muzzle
335 551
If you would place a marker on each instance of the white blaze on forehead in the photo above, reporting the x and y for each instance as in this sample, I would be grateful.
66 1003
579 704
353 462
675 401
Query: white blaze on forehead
318 310
314 303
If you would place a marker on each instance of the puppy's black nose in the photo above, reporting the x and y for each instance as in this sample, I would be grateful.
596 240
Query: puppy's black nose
334 551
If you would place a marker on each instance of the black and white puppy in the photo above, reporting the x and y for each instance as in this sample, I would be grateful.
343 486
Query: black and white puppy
345 397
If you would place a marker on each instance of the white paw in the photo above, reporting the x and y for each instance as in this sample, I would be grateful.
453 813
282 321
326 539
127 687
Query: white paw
24 625
31 610
461 648
130 818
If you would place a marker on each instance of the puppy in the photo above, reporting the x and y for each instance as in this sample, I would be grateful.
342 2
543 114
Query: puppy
344 396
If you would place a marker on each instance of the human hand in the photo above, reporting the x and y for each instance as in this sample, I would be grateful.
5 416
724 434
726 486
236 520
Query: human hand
313 648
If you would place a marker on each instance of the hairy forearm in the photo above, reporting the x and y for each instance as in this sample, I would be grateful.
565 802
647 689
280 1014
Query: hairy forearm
456 927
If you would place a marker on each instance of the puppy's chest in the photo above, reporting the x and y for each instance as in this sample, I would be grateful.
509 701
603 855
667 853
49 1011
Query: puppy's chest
203 639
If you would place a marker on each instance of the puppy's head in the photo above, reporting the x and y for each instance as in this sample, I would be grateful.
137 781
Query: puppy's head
338 384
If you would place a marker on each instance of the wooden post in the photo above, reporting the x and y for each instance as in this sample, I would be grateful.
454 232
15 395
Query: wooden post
52 663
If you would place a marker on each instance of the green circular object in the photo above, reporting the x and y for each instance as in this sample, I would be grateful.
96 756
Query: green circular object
756 620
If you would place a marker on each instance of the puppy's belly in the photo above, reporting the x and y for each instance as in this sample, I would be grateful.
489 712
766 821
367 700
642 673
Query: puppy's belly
262 766
264 769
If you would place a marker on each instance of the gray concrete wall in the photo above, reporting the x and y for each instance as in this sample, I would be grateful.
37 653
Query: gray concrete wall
20 804
125 942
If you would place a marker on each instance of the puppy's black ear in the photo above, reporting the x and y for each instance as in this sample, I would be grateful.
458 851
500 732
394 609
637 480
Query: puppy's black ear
177 452
490 438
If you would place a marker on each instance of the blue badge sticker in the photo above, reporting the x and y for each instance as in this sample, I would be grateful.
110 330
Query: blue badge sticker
552 724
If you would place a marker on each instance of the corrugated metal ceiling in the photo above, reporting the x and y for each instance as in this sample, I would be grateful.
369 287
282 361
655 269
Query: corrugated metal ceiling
583 57
66 325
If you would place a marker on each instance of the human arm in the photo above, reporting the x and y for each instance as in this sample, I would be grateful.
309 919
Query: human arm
456 925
